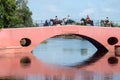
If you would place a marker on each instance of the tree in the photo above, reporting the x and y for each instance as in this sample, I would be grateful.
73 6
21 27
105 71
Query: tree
7 13
116 25
15 13
24 13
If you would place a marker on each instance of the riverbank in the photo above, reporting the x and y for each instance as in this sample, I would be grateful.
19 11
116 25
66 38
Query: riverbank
69 36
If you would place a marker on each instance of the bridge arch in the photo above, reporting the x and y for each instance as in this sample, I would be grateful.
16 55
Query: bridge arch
96 43
101 50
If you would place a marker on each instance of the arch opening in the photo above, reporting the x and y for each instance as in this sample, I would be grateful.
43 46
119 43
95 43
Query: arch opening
112 40
98 45
25 42
101 50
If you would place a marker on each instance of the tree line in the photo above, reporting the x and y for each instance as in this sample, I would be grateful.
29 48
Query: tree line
15 13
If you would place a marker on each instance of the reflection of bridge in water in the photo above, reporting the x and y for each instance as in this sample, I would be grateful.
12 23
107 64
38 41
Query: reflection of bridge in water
19 42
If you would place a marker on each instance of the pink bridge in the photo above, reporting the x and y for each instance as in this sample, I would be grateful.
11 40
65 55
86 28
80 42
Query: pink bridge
101 37
104 38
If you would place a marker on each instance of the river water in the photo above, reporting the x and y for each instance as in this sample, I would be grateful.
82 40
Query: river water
69 52
56 59
64 52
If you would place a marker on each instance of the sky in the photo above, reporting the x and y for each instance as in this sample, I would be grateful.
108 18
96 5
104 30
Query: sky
96 9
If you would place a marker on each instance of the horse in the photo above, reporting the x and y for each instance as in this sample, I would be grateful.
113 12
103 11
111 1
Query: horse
106 23
84 22
54 22
70 21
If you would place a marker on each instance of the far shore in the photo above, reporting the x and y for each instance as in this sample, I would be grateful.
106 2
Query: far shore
68 36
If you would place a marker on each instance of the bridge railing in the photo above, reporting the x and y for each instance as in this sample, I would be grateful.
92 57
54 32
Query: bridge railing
96 22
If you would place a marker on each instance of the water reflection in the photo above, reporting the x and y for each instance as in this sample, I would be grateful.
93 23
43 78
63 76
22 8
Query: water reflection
84 52
47 72
41 71
12 78
66 52
76 76
48 77
91 59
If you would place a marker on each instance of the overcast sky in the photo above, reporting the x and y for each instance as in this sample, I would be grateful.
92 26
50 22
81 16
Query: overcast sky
96 9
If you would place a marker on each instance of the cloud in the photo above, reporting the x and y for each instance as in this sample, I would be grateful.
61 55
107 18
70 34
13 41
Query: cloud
88 11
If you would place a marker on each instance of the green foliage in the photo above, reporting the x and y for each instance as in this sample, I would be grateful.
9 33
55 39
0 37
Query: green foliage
116 25
78 23
7 11
44 42
24 13
15 13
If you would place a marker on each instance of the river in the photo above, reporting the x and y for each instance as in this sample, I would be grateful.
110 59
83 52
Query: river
64 52
70 52
56 59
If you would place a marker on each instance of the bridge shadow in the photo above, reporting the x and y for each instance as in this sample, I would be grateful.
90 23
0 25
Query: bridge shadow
98 55
101 51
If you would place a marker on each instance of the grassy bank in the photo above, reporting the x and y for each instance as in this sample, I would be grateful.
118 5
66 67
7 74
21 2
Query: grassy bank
68 36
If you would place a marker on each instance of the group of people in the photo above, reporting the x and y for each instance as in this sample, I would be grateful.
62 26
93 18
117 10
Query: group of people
56 21
83 21
106 22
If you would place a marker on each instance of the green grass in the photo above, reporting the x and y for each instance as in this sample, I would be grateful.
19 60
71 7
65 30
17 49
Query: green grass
44 42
